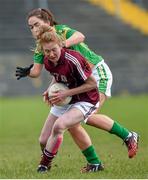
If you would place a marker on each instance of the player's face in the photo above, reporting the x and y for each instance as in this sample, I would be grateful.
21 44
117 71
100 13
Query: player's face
35 24
52 51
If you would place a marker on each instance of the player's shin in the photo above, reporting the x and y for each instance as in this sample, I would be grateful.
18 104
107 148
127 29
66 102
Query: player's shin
49 153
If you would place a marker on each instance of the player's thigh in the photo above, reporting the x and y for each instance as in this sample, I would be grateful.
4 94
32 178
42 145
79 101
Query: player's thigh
69 119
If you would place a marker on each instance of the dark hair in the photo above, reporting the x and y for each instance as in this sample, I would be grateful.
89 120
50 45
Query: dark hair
44 15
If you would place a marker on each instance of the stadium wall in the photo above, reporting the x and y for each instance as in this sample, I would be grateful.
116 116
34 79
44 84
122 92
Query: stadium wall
123 47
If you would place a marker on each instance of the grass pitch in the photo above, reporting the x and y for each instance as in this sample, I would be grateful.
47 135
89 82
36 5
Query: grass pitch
21 120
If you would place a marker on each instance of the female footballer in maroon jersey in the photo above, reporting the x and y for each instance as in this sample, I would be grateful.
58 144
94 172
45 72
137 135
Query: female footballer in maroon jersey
74 39
68 67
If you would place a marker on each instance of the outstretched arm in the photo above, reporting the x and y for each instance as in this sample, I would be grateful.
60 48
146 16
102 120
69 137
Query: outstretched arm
34 70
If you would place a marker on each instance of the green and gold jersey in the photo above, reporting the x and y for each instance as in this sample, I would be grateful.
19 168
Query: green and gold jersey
66 32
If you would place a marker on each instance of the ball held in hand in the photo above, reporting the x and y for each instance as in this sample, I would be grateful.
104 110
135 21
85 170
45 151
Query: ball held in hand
57 87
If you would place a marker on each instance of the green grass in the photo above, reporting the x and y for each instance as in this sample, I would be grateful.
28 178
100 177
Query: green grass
21 120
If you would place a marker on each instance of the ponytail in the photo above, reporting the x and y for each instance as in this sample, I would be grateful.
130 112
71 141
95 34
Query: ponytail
44 15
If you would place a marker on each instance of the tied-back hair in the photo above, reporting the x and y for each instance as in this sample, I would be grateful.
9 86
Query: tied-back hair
44 15
47 34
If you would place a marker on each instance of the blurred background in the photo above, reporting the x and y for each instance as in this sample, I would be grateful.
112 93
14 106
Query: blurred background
115 29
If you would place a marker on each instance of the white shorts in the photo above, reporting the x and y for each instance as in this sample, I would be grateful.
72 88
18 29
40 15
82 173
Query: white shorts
86 108
104 78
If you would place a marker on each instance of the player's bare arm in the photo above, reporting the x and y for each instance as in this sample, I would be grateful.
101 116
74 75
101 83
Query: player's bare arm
76 38
89 84
35 70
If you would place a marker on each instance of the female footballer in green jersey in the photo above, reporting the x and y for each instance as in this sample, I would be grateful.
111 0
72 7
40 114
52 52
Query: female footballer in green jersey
74 40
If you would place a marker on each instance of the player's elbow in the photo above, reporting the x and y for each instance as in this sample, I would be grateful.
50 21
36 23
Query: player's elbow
92 84
80 36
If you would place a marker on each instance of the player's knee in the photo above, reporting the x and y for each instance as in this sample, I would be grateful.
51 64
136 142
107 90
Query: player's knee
58 128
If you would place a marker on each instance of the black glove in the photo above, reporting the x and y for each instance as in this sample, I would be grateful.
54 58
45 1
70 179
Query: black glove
22 72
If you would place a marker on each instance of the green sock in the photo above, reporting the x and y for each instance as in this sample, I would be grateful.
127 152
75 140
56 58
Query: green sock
120 131
91 155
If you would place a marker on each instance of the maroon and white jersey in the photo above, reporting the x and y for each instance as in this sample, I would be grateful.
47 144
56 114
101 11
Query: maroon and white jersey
73 70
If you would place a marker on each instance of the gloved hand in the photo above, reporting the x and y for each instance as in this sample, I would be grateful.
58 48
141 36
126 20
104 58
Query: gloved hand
22 72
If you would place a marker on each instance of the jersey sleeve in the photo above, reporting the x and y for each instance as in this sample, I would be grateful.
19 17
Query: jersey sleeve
82 67
38 58
69 32
65 31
